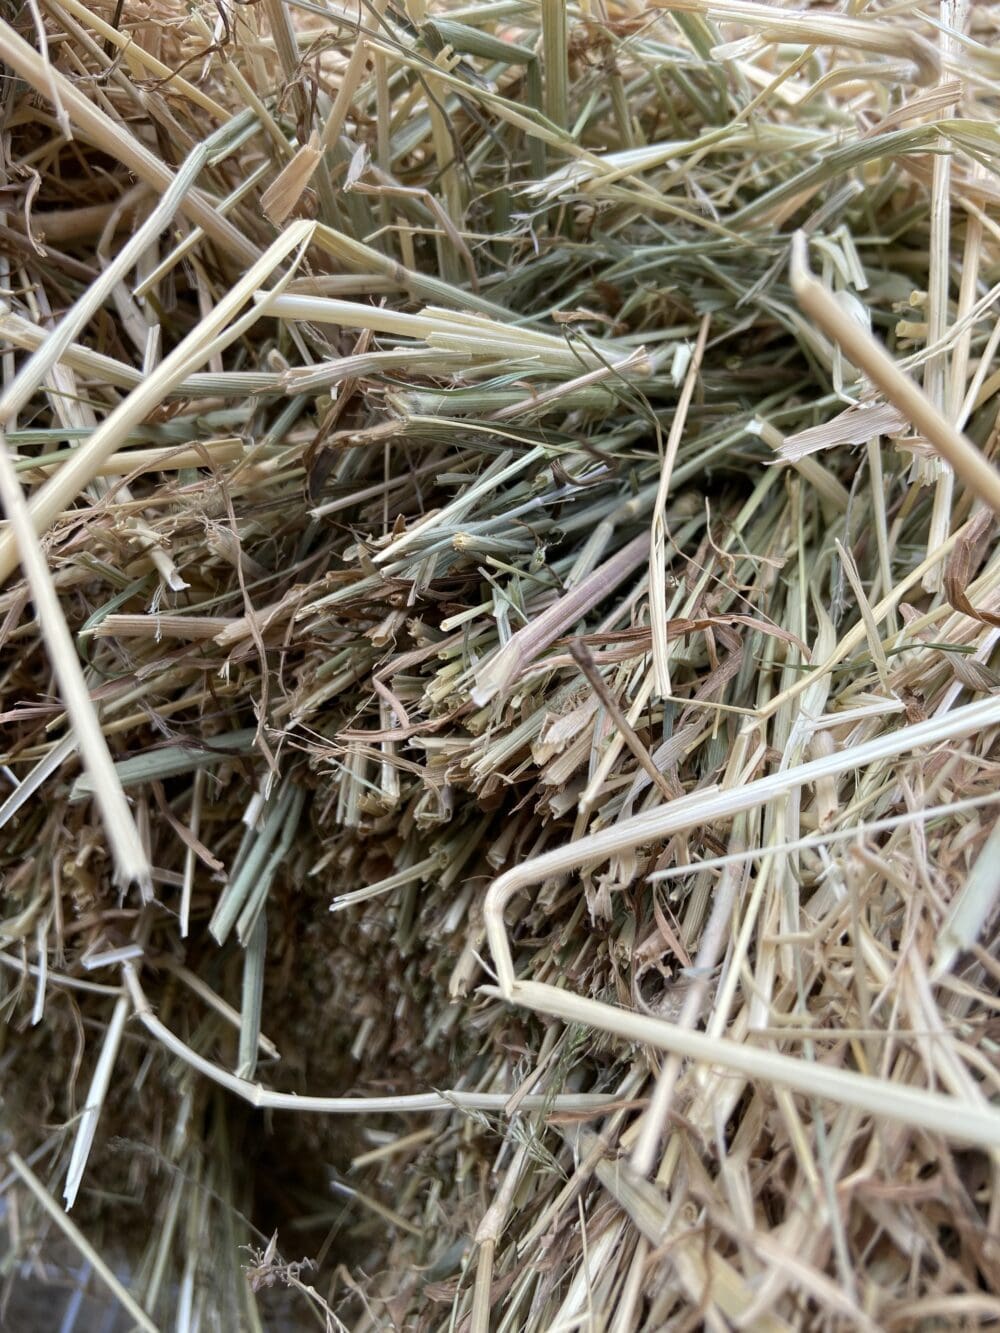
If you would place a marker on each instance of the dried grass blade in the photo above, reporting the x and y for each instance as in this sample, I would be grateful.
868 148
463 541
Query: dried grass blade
884 1098
59 492
979 475
658 549
131 863
80 1243
108 135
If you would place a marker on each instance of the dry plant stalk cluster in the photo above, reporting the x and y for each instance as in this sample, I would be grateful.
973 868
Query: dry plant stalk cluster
450 445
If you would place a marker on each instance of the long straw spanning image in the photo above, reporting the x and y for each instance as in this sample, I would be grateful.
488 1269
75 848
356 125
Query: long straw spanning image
499 666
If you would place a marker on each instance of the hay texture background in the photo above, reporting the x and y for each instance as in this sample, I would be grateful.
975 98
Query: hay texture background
498 664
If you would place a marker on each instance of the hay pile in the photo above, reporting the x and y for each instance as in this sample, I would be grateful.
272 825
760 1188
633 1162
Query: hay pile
462 453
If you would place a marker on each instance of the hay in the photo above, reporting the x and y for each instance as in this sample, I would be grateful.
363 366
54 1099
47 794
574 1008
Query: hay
499 637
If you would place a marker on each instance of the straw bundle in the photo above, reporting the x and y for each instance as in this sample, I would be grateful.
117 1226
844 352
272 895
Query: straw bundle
498 631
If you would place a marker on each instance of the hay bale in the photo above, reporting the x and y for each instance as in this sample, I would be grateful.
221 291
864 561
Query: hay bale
498 628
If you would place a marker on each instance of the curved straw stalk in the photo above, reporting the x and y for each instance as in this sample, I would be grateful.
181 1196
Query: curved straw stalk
928 1110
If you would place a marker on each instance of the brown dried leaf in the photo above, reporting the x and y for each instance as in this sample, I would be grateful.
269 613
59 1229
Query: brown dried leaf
961 566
